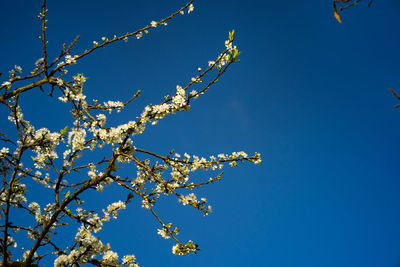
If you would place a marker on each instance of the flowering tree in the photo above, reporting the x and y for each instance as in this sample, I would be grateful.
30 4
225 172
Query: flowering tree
88 154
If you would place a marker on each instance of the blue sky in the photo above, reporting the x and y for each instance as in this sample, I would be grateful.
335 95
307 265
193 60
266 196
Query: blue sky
310 94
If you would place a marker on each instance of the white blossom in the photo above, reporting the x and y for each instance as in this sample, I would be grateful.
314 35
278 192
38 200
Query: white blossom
6 83
114 208
70 60
4 151
184 249
110 258
26 253
110 105
164 233
190 8
76 138
189 199
145 204
61 261
129 260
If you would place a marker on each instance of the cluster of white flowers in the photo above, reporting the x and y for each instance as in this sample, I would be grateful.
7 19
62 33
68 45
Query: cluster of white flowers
110 105
128 148
66 153
35 209
101 120
213 163
59 82
230 55
145 204
154 113
201 163
44 144
258 158
60 67
61 261
89 247
113 209
190 9
45 181
66 96
92 173
70 60
139 35
11 242
181 167
18 69
13 72
6 84
189 199
180 97
158 112
79 80
71 96
39 62
184 249
164 233
17 116
129 260
192 200
107 181
26 253
39 217
77 138
95 222
48 212
180 172
110 258
17 194
114 135
140 181
4 151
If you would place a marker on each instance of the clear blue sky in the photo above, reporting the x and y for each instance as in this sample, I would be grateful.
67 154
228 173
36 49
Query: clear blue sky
310 94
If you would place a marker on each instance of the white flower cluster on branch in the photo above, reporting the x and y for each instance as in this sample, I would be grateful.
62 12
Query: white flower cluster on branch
35 155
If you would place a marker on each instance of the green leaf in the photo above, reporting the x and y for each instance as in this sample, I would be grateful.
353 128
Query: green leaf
64 131
235 56
231 35
67 194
